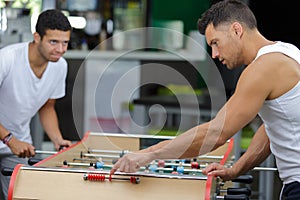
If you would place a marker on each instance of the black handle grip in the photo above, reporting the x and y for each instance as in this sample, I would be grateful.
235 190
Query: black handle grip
244 179
236 197
234 191
62 147
7 171
32 161
114 161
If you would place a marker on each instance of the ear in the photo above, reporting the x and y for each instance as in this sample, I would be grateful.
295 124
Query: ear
237 29
36 37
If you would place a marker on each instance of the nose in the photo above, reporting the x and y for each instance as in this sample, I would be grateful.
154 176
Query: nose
60 48
215 53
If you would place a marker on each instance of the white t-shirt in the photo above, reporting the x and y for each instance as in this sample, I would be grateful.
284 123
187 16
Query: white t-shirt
281 117
22 94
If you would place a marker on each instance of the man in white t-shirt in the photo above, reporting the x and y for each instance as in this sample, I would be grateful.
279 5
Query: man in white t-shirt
32 76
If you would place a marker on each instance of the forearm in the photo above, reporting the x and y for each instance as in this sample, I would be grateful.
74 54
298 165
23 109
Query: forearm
50 124
189 144
3 132
256 153
166 149
154 147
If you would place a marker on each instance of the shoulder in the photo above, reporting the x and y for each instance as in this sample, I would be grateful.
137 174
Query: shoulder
11 54
278 51
64 64
268 64
13 51
14 47
258 76
61 63
60 67
270 75
271 65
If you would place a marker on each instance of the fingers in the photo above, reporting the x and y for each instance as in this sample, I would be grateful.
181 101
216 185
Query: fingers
216 173
126 164
62 145
67 143
21 149
223 174
119 165
218 170
212 167
26 151
112 171
31 151
115 167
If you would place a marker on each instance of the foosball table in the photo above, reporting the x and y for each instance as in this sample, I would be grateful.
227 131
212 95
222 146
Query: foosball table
82 172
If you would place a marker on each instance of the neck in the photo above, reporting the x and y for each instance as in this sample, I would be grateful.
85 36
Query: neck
255 41
36 61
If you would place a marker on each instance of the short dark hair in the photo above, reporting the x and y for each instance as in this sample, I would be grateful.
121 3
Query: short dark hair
52 19
227 11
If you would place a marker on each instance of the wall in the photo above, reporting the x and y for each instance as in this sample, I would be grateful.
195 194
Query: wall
277 20
188 11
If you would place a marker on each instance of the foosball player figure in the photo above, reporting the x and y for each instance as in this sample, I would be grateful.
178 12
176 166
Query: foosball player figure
153 167
174 170
161 164
195 164
98 165
180 168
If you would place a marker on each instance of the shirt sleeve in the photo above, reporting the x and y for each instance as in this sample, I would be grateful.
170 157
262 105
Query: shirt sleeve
60 88
4 65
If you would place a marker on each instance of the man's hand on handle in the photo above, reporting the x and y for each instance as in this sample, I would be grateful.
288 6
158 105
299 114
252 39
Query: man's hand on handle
217 169
21 149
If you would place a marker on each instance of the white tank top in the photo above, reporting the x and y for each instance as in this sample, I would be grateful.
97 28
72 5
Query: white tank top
281 117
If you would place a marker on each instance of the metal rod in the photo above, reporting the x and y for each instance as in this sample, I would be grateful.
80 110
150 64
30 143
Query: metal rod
78 164
45 152
180 164
141 168
172 169
126 151
265 169
98 155
210 157
108 151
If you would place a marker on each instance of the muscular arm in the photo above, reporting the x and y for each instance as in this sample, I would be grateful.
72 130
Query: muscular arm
256 153
252 90
241 108
49 122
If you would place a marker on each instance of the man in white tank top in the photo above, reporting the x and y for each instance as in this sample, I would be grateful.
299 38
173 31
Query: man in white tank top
269 86
32 76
